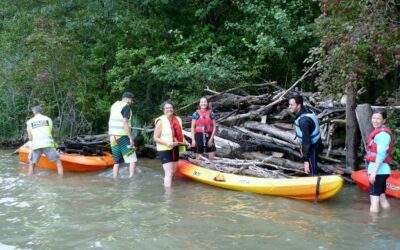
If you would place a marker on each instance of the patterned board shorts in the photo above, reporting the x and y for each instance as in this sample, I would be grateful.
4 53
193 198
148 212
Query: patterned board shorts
120 150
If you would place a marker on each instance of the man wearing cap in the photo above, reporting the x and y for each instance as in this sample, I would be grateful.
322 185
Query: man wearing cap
40 129
121 139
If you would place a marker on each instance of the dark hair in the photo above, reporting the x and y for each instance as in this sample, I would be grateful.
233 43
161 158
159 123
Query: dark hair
208 103
380 111
298 99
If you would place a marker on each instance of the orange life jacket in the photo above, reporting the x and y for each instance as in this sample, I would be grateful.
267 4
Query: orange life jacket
176 129
372 148
204 123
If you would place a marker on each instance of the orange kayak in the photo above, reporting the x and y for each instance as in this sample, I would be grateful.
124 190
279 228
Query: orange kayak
302 188
392 183
71 162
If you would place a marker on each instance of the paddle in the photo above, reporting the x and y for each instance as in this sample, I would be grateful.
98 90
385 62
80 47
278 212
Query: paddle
317 190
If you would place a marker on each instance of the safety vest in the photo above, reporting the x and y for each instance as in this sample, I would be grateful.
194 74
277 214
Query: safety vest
204 123
315 135
116 121
166 133
372 148
40 127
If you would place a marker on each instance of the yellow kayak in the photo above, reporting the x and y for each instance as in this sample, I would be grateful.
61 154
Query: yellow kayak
302 188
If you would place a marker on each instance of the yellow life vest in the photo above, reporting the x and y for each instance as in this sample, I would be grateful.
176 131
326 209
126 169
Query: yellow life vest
40 127
166 133
116 121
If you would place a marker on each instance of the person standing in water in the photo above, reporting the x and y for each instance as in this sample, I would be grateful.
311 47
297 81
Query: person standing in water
203 130
308 134
379 148
121 139
40 129
168 135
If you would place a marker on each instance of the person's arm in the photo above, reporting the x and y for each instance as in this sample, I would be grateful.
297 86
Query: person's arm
157 136
195 116
382 141
306 127
53 131
126 114
211 141
29 132
193 127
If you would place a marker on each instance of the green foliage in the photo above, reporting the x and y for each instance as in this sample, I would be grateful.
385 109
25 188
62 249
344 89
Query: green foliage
75 57
359 45
394 124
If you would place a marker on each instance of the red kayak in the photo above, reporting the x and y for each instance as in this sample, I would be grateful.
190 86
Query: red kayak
392 184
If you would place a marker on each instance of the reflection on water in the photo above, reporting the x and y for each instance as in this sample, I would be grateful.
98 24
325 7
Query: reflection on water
92 210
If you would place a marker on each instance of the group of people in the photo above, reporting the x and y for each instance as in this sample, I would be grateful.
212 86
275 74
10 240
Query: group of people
168 136
170 140
379 148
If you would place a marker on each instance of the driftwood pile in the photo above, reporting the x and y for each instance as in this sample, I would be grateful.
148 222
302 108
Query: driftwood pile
86 145
95 145
255 134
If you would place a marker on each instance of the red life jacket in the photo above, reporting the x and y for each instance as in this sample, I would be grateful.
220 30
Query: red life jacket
204 123
372 148
176 129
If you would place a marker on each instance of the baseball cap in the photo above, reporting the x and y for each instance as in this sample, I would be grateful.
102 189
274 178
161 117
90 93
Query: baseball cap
128 95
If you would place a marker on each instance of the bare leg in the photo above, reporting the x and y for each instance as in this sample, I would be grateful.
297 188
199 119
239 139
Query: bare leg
115 170
31 168
384 202
374 204
175 167
60 169
168 173
132 167
198 156
211 155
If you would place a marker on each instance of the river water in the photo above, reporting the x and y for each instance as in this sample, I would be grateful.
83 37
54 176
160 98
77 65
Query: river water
92 210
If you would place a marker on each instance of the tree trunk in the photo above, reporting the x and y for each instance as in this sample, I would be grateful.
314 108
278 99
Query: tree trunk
364 114
351 127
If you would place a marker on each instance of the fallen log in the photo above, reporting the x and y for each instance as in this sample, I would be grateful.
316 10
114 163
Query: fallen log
275 161
211 98
275 132
225 148
268 138
233 101
246 168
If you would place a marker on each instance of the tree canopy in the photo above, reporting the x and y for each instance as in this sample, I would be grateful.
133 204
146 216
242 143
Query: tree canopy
75 58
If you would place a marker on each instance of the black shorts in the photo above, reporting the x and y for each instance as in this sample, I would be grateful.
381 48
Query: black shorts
200 144
379 186
167 156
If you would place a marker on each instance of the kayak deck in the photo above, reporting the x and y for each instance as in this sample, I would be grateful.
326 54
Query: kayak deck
302 188
71 162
